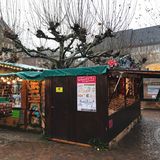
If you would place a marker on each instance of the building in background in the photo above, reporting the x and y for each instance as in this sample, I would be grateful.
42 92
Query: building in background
143 45
7 46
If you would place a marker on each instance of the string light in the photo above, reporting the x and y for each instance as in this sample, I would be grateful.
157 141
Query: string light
20 80
4 80
13 81
8 82
11 67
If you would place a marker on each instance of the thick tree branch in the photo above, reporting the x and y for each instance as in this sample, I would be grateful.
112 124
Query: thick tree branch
72 24
41 34
68 47
41 49
81 62
30 51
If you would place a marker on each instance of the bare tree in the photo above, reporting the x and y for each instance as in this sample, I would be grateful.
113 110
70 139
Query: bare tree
67 30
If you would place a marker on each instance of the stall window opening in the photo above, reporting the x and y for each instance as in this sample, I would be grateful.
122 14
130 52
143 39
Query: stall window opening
131 91
116 95
124 95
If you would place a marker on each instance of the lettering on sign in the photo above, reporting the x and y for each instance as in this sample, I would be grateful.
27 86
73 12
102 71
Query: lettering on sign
86 93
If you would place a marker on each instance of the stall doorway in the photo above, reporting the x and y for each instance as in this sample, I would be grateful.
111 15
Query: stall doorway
61 109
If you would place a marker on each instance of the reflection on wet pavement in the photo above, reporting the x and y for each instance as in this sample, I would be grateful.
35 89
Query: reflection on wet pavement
142 143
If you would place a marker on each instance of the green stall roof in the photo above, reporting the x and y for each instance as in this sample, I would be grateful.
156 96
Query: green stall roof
27 75
32 75
75 71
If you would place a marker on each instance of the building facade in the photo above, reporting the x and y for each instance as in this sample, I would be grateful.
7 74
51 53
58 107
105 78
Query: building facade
142 44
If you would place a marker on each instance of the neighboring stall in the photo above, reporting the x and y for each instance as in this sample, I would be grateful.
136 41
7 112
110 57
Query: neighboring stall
20 98
151 90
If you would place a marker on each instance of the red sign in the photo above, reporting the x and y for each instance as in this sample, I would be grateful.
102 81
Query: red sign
86 79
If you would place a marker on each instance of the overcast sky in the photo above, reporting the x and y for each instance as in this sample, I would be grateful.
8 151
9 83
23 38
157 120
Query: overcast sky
142 16
146 13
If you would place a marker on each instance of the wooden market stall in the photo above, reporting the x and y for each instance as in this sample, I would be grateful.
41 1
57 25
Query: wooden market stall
90 103
20 97
150 89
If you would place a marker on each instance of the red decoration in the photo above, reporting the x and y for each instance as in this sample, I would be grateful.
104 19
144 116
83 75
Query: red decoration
112 63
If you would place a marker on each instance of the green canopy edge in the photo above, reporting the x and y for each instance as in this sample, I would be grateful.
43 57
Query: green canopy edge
33 75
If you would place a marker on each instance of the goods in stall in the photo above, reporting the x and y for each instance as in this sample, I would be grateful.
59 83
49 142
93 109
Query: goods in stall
34 101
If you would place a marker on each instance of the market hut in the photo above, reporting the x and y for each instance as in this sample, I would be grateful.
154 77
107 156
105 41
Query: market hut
150 90
20 97
85 104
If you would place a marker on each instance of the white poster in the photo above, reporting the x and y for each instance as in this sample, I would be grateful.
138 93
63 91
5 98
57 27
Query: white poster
151 87
86 93
16 100
153 90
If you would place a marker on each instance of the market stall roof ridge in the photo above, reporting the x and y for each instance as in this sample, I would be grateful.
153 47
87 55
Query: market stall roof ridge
97 70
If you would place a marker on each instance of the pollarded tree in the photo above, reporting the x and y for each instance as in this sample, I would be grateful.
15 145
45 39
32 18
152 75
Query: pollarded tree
67 30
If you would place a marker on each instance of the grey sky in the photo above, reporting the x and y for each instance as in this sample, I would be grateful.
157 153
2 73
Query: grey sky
145 15
142 14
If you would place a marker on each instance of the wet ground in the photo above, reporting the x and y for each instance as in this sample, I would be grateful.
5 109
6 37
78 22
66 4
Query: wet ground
142 143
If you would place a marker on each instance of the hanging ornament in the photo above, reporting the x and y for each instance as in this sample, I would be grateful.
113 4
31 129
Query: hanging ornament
112 63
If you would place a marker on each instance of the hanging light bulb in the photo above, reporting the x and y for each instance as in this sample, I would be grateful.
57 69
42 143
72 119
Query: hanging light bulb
4 80
13 81
8 82
18 79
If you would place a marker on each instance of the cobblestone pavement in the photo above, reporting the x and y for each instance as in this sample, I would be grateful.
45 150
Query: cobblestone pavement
140 144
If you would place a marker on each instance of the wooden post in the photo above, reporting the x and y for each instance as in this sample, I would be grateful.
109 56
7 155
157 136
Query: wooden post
125 96
24 101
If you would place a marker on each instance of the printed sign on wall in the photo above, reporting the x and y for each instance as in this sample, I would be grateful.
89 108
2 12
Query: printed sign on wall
151 87
59 89
86 93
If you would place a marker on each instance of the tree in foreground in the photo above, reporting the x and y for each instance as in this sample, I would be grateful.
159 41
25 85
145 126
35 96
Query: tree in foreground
64 32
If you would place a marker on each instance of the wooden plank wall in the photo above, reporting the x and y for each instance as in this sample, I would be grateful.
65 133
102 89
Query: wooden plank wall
24 102
121 119
62 118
